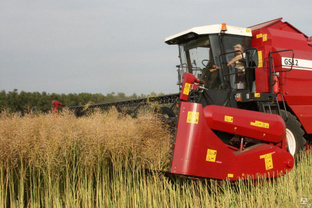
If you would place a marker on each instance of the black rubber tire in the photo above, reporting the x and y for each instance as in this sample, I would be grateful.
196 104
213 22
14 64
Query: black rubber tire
294 134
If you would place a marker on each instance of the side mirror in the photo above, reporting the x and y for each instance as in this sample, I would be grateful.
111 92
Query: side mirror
251 58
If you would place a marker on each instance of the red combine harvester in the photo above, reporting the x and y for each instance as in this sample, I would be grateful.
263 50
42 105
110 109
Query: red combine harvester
251 115
250 112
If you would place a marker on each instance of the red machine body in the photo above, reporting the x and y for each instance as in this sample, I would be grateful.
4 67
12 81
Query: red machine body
257 125
277 37
200 152
188 80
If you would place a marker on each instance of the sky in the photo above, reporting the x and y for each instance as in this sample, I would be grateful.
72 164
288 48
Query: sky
105 46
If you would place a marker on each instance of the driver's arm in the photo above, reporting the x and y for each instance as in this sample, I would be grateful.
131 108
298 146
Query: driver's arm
236 58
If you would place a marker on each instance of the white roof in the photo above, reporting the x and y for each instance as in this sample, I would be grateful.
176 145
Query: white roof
206 30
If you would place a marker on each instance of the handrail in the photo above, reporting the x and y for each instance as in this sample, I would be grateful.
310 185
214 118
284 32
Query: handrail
271 65
292 59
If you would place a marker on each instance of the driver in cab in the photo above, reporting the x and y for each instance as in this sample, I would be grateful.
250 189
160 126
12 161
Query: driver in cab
238 63
210 75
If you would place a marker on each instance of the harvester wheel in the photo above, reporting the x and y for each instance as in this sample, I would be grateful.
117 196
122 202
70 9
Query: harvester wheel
294 134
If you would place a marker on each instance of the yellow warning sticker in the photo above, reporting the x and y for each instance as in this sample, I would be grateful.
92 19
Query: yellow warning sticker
228 119
192 117
257 94
260 60
260 124
268 161
259 35
230 175
187 88
211 155
265 37
248 30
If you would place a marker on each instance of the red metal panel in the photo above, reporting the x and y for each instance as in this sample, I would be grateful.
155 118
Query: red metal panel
199 152
193 141
257 125
262 157
266 24
295 85
187 85
262 72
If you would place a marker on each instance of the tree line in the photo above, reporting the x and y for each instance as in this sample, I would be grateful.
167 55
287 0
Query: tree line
26 102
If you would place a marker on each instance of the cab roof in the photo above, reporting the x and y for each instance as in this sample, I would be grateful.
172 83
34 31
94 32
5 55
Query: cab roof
206 30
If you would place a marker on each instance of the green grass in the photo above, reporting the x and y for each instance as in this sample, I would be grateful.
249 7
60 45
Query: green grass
101 161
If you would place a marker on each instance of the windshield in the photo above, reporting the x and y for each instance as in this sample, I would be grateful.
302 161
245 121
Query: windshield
192 55
196 57
207 57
